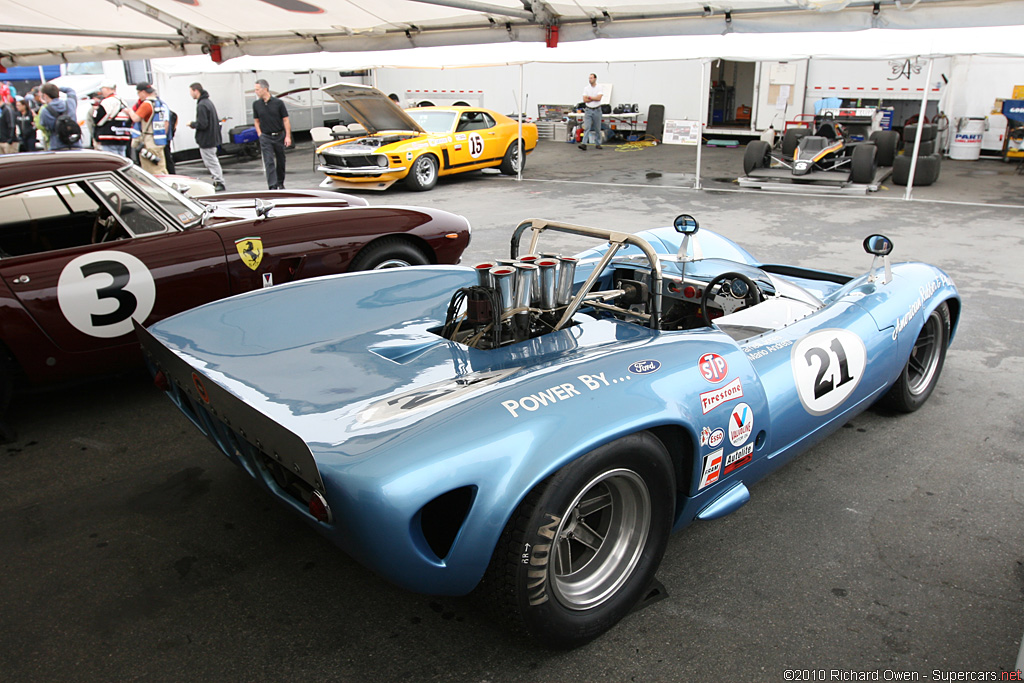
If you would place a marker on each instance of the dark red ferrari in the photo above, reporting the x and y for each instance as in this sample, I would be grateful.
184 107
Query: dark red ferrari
90 242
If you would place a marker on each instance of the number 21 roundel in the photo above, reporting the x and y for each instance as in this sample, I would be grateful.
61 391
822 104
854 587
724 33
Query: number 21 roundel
100 293
827 367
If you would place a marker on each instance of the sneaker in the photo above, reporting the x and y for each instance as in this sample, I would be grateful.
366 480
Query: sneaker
583 147
219 187
597 146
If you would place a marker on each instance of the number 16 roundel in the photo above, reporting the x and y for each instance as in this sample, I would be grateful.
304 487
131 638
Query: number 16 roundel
100 293
827 367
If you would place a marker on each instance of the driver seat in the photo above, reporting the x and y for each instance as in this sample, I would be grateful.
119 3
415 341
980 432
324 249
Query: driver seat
827 130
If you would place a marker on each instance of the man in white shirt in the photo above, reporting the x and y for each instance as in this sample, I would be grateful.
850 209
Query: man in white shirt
592 95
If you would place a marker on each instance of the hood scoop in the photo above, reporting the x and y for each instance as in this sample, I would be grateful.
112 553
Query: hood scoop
405 352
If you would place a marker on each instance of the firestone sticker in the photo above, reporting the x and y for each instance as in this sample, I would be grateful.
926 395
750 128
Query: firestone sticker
741 424
712 469
709 400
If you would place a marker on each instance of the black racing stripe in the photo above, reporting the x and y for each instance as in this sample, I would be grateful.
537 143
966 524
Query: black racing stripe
472 163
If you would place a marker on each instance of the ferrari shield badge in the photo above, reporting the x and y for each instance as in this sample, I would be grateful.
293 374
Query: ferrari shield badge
251 251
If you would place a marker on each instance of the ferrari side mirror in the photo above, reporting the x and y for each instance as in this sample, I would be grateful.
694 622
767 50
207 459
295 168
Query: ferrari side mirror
263 208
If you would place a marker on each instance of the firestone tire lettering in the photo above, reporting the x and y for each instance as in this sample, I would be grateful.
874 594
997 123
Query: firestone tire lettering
101 293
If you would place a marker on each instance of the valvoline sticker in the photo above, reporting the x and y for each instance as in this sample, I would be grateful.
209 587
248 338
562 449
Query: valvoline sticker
644 367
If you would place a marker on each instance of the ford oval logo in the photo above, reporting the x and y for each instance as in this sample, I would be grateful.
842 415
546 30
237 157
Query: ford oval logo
644 367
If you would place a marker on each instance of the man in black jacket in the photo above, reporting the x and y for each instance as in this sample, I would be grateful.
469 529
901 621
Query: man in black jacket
9 141
207 127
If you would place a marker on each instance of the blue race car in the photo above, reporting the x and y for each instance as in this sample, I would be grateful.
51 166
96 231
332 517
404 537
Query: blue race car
534 428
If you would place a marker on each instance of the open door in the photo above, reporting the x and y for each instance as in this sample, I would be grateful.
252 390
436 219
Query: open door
781 87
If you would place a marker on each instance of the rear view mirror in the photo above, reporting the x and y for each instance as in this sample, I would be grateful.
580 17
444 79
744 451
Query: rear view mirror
879 245
686 224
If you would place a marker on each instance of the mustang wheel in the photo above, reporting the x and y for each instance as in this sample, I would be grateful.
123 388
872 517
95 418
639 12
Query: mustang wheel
510 163
388 253
758 154
921 373
423 174
580 551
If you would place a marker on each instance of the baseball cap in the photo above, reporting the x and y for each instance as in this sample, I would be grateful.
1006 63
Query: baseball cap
144 87
108 84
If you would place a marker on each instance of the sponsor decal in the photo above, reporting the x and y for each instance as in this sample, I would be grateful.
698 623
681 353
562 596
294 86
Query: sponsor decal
710 400
759 348
827 367
476 145
644 367
408 156
457 147
712 469
738 459
713 367
562 392
102 292
460 136
712 438
200 388
924 293
251 251
741 424
268 279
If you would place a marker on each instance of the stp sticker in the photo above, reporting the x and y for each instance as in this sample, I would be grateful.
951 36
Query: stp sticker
827 367
712 468
713 367
100 293
476 145
710 400
741 424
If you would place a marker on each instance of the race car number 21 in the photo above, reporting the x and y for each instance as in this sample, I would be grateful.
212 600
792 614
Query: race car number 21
100 293
827 367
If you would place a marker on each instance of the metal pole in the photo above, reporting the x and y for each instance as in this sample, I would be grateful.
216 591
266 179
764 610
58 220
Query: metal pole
700 119
920 129
519 141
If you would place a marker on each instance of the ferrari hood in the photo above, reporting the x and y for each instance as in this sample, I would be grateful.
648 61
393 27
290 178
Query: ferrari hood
371 108
243 204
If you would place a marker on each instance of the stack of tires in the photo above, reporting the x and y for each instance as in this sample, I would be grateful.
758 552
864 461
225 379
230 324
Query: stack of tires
928 160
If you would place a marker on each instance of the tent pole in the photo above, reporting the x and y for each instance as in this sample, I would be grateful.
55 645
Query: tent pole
703 99
519 141
920 129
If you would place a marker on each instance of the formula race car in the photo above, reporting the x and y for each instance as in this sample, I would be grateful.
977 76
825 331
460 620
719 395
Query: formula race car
90 242
418 145
534 428
828 155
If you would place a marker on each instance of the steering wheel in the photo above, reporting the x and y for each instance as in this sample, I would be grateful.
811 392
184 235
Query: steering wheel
115 201
740 292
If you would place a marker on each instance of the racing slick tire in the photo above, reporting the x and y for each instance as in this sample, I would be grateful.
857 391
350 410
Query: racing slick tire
926 173
921 373
757 155
582 548
423 174
927 133
863 164
510 162
389 252
887 142
791 138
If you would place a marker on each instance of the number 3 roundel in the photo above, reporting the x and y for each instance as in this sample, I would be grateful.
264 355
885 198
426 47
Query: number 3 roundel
827 367
100 293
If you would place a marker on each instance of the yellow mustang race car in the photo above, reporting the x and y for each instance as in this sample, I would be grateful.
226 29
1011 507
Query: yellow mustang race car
418 144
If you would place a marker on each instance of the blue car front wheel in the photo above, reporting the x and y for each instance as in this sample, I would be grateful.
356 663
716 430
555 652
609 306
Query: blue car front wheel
582 548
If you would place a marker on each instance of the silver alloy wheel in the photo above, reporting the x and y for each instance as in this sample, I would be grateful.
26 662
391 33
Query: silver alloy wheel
924 358
600 539
515 158
392 263
424 171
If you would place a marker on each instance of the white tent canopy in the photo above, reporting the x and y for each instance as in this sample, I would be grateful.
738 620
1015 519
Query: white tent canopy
57 31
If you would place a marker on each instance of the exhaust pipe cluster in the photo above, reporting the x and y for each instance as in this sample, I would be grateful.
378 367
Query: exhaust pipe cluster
532 281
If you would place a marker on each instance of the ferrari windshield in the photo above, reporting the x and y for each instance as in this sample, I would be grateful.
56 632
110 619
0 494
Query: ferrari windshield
178 205
433 121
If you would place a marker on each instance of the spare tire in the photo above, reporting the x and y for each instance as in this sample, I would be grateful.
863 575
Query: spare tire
927 133
926 173
791 139
863 164
887 142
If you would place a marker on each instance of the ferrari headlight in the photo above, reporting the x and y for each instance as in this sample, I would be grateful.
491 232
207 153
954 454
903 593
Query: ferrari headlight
382 160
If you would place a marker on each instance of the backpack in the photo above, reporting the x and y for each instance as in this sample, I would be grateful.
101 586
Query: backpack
67 130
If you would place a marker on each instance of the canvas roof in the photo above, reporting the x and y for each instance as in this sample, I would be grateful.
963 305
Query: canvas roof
57 31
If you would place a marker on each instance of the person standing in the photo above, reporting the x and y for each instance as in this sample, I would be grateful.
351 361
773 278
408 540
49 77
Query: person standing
8 126
55 107
26 126
275 130
112 127
207 127
592 94
150 133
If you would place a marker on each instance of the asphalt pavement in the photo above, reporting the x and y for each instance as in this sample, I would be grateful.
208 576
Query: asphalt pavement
132 550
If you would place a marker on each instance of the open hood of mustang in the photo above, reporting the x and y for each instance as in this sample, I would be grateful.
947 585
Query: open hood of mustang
371 108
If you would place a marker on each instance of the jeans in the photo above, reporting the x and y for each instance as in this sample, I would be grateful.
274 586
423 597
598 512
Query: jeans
212 163
272 149
592 124
119 148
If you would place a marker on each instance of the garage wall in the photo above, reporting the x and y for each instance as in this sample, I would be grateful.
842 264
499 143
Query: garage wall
976 82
